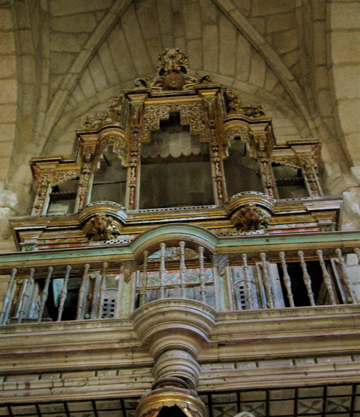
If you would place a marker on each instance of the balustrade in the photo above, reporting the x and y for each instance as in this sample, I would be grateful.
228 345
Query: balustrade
284 279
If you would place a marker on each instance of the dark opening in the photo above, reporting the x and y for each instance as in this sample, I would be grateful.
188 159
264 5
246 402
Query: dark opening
109 182
298 287
173 411
241 171
175 168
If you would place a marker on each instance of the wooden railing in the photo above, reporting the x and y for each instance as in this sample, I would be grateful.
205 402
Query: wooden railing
98 287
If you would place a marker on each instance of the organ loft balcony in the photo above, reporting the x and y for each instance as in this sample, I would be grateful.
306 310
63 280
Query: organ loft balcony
180 238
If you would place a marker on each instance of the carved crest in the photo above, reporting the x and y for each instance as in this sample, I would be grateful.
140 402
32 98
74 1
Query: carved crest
101 227
251 218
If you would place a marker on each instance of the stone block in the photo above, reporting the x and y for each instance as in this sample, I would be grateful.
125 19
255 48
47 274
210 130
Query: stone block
349 111
211 48
98 74
5 19
320 50
345 47
8 91
264 8
62 7
61 62
7 43
344 15
243 5
66 42
8 66
136 43
285 41
259 24
7 113
146 13
192 21
258 70
165 17
243 56
194 48
74 24
281 22
348 86
108 64
208 12
87 84
227 59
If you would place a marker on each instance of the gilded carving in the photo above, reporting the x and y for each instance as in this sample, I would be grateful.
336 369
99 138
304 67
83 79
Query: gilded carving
310 174
191 114
43 183
61 176
102 227
265 164
113 113
233 105
120 147
251 218
172 73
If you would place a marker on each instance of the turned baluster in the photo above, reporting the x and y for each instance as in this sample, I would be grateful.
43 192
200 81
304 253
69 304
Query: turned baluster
287 280
82 293
269 297
326 277
94 296
102 290
24 297
182 269
306 278
249 298
7 299
202 274
162 269
345 277
63 293
45 293
144 278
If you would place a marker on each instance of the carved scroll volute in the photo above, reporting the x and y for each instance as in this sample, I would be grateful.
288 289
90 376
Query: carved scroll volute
43 187
82 197
134 165
216 148
263 156
309 170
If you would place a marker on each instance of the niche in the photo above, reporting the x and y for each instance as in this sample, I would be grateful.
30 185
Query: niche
109 183
242 172
175 168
